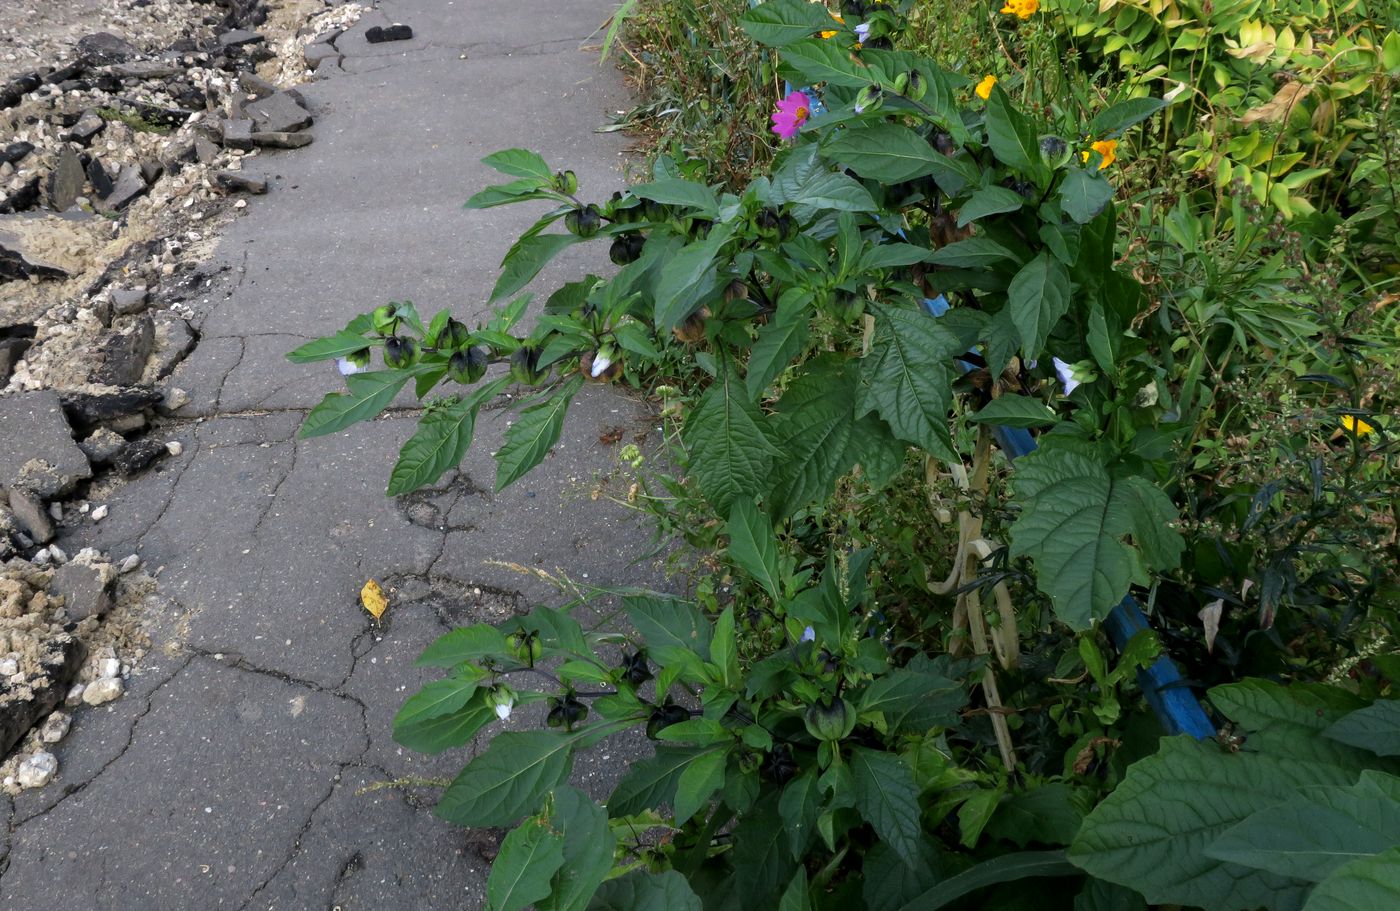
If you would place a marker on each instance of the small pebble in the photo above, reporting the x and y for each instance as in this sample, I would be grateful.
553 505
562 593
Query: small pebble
99 513
75 695
174 447
60 556
55 727
38 770
108 668
56 510
9 667
130 564
104 690
43 558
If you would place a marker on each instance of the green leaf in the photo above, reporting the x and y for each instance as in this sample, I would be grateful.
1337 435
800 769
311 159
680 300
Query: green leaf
1073 524
442 438
1367 884
698 782
886 152
724 649
1047 814
530 438
905 377
510 779
1004 869
519 163
795 897
370 393
972 253
753 545
1318 830
323 349
1390 52
731 454
989 201
683 274
1011 410
521 873
1375 728
1083 195
524 260
762 859
666 622
1292 719
799 806
889 881
1011 137
779 342
1152 831
441 732
781 22
914 701
890 256
1098 895
1038 297
1111 122
588 850
835 192
642 891
673 191
440 697
887 798
466 643
651 783
816 60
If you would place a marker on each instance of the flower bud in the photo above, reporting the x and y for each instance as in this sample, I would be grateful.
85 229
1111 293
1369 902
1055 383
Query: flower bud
383 320
601 366
566 182
829 721
584 221
400 352
917 86
355 362
1054 151
502 698
524 365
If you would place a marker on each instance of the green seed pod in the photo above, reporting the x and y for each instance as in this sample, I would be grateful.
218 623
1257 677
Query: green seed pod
566 182
455 336
359 358
766 221
831 721
626 248
584 221
1054 151
383 320
870 99
901 83
466 367
400 352
917 86
524 365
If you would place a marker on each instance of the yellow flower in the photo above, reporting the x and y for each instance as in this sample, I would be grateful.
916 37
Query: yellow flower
833 34
1356 425
1021 9
984 88
1108 148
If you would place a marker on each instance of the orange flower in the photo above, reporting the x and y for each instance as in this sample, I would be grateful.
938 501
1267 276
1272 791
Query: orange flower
1356 425
1108 148
1021 9
984 88
833 33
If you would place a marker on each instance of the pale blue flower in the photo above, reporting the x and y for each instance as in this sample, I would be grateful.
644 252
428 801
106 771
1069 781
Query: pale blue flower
349 367
808 635
1065 371
863 32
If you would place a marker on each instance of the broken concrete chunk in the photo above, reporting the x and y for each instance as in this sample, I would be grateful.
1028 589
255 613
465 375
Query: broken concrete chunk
136 456
55 727
121 356
32 516
16 258
238 134
253 84
318 53
66 181
378 34
87 127
38 770
86 409
104 48
126 301
173 342
126 188
86 589
282 140
104 690
12 153
102 446
143 69
239 37
278 113
33 427
238 181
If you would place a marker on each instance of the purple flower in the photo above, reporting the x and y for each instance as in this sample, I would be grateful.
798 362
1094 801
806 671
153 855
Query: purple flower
808 635
793 111
1066 374
863 32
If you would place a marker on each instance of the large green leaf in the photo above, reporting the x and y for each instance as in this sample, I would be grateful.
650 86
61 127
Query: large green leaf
510 779
673 191
442 438
816 60
1012 410
699 780
887 798
731 454
521 873
781 22
370 393
669 623
989 201
438 697
465 643
763 861
1004 869
524 260
642 891
1318 830
905 377
534 433
1074 525
1083 195
1294 720
886 152
1038 297
1153 830
822 439
435 733
519 163
779 342
1375 728
1366 884
913 701
651 783
588 850
338 345
889 881
683 274
1012 138
973 252
753 545
1048 814
799 806
1114 120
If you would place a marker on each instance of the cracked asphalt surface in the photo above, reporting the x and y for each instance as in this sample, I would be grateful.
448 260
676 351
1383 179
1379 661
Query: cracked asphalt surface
231 774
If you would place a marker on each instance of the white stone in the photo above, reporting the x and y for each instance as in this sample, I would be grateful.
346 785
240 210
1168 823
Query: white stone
109 667
130 564
104 690
59 555
38 770
55 727
43 558
9 667
75 695
56 510
174 447
99 513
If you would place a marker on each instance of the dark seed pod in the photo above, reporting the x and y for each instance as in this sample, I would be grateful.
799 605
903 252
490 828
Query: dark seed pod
692 328
778 766
455 336
584 221
524 364
766 220
383 320
555 718
634 668
788 228
466 367
626 248
400 352
664 716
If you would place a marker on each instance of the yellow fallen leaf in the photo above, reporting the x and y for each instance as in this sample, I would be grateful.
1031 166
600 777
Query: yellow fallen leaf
373 598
